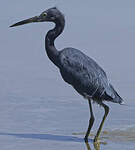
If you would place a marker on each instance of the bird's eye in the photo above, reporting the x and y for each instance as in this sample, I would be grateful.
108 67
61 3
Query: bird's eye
44 14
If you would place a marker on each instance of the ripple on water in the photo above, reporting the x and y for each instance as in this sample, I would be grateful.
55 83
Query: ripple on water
126 134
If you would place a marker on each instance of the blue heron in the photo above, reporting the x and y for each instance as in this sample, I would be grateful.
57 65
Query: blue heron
76 68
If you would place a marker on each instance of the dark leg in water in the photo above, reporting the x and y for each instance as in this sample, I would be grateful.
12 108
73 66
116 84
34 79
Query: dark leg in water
91 121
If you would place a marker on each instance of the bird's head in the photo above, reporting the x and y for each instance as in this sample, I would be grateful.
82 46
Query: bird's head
50 15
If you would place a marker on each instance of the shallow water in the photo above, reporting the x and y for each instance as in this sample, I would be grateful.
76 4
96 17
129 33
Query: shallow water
60 123
126 134
37 109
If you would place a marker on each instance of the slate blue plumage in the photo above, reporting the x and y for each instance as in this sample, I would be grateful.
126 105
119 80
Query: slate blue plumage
86 76
76 68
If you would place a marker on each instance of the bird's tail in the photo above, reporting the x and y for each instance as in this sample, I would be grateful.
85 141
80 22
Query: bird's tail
116 98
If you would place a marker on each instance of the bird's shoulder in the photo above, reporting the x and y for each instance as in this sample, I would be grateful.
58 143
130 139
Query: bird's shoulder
74 59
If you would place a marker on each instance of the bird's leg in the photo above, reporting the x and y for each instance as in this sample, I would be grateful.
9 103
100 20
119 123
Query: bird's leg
91 121
106 108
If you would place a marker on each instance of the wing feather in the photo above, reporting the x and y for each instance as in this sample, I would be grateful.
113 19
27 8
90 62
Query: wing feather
82 72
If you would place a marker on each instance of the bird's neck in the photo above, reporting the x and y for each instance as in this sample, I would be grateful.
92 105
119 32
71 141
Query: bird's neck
52 52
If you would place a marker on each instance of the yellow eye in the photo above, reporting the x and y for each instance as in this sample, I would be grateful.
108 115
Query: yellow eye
44 14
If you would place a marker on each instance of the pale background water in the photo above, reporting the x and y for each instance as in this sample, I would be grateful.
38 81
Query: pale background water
40 111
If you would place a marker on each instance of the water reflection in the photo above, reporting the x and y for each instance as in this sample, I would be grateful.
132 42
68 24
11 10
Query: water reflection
96 145
54 138
51 137
88 146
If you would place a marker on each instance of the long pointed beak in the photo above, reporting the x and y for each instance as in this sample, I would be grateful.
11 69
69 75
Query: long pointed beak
30 20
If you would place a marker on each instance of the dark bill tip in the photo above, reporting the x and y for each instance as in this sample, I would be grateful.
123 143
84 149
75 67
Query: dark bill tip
16 24
11 26
30 20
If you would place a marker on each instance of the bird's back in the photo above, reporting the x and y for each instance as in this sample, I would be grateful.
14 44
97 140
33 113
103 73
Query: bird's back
86 76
